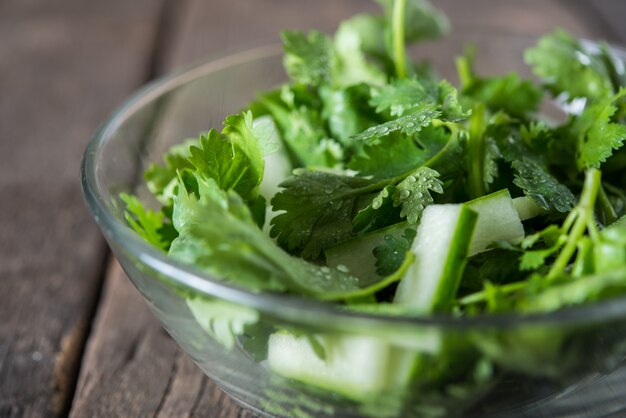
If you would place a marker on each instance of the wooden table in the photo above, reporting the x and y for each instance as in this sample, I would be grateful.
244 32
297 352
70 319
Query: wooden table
75 337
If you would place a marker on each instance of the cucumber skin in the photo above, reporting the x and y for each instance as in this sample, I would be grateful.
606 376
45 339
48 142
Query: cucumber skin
413 286
456 261
355 366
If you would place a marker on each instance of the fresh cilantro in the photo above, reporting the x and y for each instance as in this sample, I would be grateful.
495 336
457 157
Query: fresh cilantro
161 179
538 184
318 209
508 93
597 135
408 124
308 58
222 320
568 67
351 65
413 193
391 254
396 154
147 223
233 158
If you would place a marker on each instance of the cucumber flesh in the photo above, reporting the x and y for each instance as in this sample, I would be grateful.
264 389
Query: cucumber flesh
440 248
498 220
527 208
354 366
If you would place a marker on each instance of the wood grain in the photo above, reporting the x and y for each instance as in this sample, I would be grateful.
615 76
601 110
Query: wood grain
63 66
131 367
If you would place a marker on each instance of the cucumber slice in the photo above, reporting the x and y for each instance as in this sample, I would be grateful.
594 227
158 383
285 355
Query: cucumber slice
447 235
441 246
354 366
498 220
527 208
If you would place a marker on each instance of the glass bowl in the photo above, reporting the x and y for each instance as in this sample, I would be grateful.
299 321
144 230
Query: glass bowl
568 363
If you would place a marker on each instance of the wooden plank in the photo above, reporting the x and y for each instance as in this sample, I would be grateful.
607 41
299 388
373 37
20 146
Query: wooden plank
610 16
158 379
63 66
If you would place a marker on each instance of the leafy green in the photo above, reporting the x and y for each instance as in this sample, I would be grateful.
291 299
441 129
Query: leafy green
413 193
566 66
396 154
147 223
508 93
538 184
318 208
391 254
233 158
422 20
408 124
597 136
308 58
161 179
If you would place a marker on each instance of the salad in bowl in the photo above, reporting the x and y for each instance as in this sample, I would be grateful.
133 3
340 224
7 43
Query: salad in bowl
368 239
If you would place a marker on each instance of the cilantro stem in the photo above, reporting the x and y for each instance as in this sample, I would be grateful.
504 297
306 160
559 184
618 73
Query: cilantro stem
476 152
584 217
481 296
607 208
397 24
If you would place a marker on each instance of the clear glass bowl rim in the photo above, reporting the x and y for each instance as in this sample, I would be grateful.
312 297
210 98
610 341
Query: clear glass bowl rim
280 305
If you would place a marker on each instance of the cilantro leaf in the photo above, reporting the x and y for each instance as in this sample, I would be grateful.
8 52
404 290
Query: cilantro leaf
397 155
301 128
233 248
350 64
346 111
508 93
146 222
413 193
233 158
390 255
308 58
531 173
541 186
566 66
319 207
405 95
597 135
408 124
161 179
